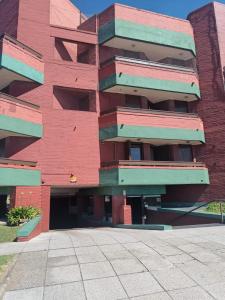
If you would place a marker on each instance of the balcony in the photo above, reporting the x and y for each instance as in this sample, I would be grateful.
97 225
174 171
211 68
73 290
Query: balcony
134 29
155 81
151 126
19 173
19 62
153 173
19 118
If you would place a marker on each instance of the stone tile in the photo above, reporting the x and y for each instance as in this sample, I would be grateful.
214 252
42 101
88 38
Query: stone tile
180 259
168 250
60 243
127 266
11 248
89 254
217 290
157 296
103 239
26 294
36 246
189 248
194 293
156 262
173 278
29 271
200 273
139 249
105 288
139 284
61 252
206 256
96 270
64 274
62 261
115 252
67 291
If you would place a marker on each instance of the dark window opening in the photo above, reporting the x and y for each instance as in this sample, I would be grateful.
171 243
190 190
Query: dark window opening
133 101
181 106
2 147
185 153
162 153
74 99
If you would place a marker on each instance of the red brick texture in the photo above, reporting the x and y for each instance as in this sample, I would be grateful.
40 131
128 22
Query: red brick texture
38 197
212 105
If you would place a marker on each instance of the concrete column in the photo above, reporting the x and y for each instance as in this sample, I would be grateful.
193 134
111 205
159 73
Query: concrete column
121 213
99 207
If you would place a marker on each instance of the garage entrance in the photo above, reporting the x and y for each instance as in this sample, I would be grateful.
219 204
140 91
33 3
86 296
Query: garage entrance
63 212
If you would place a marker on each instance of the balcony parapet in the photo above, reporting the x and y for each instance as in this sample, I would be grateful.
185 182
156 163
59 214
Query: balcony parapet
147 63
151 163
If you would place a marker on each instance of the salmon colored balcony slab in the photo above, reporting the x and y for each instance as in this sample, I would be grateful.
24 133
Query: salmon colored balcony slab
18 173
152 173
19 118
19 62
151 126
138 30
155 81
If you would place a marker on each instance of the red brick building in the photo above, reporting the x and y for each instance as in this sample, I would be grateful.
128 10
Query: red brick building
98 116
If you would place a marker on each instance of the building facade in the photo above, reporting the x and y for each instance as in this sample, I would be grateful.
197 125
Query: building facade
102 118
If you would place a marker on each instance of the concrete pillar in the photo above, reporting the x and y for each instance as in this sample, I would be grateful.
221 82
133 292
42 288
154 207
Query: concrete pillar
121 213
126 214
99 207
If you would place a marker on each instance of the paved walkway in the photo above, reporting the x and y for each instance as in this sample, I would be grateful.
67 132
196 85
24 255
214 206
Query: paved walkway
107 263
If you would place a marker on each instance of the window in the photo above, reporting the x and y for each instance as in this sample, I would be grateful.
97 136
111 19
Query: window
133 101
185 152
136 152
181 106
2 148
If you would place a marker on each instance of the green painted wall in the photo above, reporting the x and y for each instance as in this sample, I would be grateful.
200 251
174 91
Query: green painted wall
21 68
147 132
144 33
20 126
149 83
19 177
28 227
130 190
153 176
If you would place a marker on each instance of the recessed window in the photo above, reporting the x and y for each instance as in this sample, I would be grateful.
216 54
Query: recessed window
185 153
135 151
74 99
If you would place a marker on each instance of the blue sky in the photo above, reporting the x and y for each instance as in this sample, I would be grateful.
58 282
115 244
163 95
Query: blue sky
176 8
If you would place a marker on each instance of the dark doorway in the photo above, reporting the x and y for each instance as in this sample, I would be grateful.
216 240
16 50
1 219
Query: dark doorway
108 209
63 212
3 206
136 209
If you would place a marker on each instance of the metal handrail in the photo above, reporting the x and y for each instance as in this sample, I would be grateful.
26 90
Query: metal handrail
147 63
200 206
153 163
19 101
149 111
15 41
7 161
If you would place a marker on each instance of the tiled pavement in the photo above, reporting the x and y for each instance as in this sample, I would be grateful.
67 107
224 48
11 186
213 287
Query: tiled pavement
107 263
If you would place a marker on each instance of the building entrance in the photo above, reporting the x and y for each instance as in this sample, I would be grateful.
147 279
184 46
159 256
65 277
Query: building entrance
63 212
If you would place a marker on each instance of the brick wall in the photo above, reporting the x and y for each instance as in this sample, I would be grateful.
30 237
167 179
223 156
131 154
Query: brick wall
212 105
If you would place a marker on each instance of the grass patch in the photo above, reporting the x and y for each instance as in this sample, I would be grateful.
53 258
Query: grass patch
4 260
7 233
214 207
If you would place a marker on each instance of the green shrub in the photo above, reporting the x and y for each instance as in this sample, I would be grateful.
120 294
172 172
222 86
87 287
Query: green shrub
214 207
21 214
